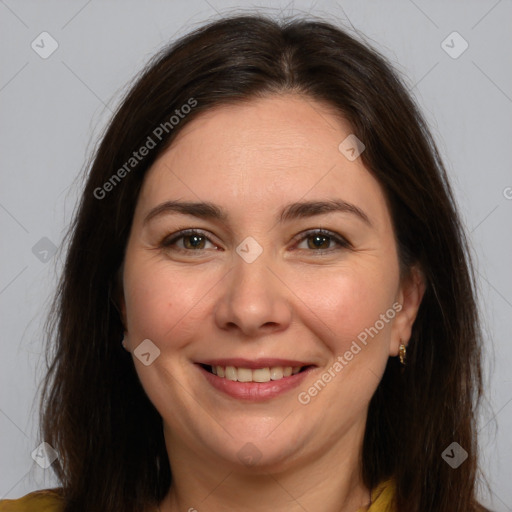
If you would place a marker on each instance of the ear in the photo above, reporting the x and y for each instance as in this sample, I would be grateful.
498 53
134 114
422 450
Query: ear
410 295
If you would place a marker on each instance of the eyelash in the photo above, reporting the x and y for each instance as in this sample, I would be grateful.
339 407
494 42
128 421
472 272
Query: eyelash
342 242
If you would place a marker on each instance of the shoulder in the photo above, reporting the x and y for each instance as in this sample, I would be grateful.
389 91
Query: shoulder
46 500
383 496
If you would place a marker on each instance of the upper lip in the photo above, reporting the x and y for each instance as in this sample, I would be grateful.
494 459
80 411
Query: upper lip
240 362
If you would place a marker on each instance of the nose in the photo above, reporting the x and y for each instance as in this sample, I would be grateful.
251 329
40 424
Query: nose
255 298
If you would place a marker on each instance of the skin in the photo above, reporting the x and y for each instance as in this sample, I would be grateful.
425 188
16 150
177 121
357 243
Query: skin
291 302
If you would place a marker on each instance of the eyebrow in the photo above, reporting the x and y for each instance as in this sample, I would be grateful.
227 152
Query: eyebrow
298 210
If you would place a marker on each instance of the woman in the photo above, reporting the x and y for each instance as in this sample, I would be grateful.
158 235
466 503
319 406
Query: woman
268 228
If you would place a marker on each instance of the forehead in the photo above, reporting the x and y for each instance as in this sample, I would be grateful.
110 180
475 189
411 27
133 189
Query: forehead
256 154
265 128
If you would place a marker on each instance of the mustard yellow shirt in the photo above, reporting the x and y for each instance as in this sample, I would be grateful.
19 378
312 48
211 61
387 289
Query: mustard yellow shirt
48 500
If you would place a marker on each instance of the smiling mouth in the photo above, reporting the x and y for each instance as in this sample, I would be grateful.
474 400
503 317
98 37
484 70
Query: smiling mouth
266 374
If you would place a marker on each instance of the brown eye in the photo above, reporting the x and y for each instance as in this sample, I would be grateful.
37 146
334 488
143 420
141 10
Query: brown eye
319 240
193 240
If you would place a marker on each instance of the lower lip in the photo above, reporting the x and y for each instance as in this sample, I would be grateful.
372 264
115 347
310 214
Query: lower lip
254 391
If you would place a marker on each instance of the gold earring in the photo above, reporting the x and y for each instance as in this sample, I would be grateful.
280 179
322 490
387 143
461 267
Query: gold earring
403 353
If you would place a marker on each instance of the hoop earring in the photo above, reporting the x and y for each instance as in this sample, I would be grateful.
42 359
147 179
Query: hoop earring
403 354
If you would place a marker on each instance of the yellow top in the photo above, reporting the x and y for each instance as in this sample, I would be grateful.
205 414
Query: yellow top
382 497
49 500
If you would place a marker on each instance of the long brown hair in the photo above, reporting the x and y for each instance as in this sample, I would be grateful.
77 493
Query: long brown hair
94 410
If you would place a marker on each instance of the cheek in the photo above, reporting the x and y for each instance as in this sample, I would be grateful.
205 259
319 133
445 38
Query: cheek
339 304
350 302
145 301
164 303
151 301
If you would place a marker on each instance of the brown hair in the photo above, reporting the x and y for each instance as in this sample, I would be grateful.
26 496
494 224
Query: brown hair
95 412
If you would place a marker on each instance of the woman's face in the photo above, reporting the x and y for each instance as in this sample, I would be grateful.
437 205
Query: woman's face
257 288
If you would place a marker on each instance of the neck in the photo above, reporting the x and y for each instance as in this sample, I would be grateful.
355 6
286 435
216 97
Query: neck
329 476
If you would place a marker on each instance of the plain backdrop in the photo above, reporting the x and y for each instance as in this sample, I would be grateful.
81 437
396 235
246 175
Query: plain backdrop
53 110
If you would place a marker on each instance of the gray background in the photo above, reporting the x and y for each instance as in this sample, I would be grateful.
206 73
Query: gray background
53 109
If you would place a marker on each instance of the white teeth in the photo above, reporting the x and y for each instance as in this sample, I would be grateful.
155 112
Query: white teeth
257 375
261 375
244 375
276 373
231 373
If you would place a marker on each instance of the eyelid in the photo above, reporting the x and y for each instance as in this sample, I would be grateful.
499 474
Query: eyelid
181 233
340 240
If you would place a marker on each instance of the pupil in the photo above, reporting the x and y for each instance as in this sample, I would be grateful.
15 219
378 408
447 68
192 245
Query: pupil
319 238
195 240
